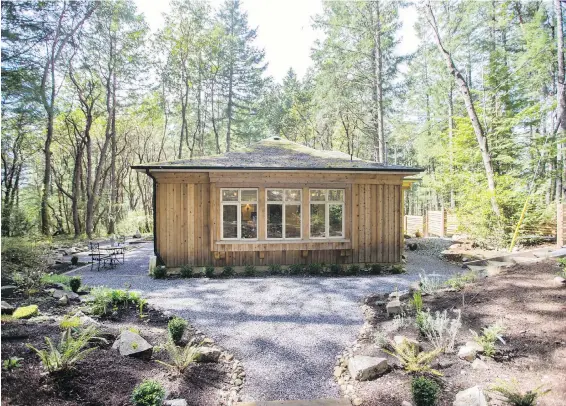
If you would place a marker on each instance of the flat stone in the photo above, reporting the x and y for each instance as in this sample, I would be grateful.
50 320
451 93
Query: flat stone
451 256
467 353
479 364
393 307
175 402
207 354
8 290
7 308
63 301
398 340
364 368
58 294
470 397
414 287
560 281
399 295
476 346
132 344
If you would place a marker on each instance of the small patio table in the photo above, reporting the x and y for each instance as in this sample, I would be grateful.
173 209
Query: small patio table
114 252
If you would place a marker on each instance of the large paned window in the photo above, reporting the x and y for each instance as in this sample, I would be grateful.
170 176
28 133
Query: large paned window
326 213
283 213
238 214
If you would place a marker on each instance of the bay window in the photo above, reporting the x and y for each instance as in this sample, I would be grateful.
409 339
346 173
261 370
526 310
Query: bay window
238 214
283 213
326 213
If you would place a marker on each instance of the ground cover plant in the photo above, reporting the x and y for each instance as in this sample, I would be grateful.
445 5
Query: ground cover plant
148 393
176 328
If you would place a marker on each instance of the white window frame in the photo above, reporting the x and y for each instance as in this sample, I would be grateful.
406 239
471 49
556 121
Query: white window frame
327 203
238 203
283 203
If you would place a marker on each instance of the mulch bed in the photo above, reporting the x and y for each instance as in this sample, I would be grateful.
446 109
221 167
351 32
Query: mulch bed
532 310
104 377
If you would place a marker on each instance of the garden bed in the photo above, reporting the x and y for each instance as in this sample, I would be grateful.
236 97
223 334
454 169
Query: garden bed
523 299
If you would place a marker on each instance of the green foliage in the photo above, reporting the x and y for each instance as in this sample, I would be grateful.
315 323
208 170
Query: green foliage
513 395
51 279
489 335
461 280
440 329
25 312
398 269
424 390
249 270
105 300
12 363
75 283
314 269
375 269
19 254
429 284
412 360
209 271
141 304
176 328
186 271
227 272
74 260
561 262
275 269
70 322
69 351
353 269
159 272
417 301
296 269
335 269
148 393
180 358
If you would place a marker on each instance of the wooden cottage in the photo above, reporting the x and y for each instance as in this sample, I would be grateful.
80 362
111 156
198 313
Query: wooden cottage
277 202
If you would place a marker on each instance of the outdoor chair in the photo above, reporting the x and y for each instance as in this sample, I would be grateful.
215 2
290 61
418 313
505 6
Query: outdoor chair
97 255
121 242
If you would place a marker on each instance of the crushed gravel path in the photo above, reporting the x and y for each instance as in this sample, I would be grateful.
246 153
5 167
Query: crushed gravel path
286 330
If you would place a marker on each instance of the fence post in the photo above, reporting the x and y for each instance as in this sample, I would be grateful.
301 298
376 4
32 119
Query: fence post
442 222
425 225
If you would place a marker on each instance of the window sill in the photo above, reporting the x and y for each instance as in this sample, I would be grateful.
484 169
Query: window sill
280 245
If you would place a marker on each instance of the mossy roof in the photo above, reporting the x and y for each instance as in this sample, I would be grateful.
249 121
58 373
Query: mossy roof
278 154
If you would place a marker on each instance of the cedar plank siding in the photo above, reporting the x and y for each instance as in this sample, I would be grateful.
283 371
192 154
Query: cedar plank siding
188 219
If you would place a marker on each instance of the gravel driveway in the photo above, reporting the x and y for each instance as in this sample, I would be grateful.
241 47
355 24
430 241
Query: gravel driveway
286 330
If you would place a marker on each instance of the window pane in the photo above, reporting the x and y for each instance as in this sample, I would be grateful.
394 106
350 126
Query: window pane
335 220
274 195
249 220
274 221
292 221
293 195
249 195
336 195
317 220
230 221
230 195
318 195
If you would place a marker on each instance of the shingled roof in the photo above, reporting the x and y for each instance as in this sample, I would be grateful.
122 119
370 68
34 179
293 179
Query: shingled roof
278 154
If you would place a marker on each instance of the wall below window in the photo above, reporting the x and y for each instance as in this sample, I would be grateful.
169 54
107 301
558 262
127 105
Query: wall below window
188 215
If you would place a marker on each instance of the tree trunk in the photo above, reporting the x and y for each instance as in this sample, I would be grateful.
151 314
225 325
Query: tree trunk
561 91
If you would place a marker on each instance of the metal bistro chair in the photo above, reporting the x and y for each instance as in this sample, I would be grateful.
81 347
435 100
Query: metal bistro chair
97 255
121 243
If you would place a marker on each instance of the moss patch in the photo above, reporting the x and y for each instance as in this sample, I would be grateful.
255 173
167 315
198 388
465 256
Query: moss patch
25 312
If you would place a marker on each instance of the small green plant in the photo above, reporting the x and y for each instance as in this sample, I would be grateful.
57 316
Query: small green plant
513 395
398 269
148 393
429 284
176 327
75 283
335 269
51 279
412 360
353 269
227 271
296 269
133 329
135 346
489 335
381 340
181 358
159 272
459 281
561 262
275 269
424 390
314 269
440 329
249 270
70 322
186 271
209 271
12 363
141 305
74 260
105 300
375 269
68 352
25 312
417 301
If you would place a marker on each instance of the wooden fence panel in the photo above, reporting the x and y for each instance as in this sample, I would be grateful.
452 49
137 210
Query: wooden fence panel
414 224
451 224
435 224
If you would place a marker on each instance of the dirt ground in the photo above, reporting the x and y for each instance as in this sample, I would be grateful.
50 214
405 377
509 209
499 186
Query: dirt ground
522 298
104 377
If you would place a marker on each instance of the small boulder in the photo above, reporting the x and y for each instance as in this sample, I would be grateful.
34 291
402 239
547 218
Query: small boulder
63 301
175 402
467 353
58 294
132 344
393 307
137 234
412 246
207 354
7 308
364 368
451 256
559 281
479 364
470 397
25 312
414 287
399 295
9 290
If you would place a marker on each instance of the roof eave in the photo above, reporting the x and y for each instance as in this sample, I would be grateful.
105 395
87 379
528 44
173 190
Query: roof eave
172 168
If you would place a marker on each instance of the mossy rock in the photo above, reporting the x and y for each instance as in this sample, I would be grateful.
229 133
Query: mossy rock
26 312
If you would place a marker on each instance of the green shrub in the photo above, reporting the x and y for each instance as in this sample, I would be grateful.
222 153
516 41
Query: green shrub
105 300
413 360
375 269
398 269
249 270
186 271
69 351
25 312
353 269
488 337
275 269
425 391
181 358
513 395
12 363
459 281
335 269
74 260
314 269
296 269
176 327
51 279
227 271
148 393
159 272
209 271
75 283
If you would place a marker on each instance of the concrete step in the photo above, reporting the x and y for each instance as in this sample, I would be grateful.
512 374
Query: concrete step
313 402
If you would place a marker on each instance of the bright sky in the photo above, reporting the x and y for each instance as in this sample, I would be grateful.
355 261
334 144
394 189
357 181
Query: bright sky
284 29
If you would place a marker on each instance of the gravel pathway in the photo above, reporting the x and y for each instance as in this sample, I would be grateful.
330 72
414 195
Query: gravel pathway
286 330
